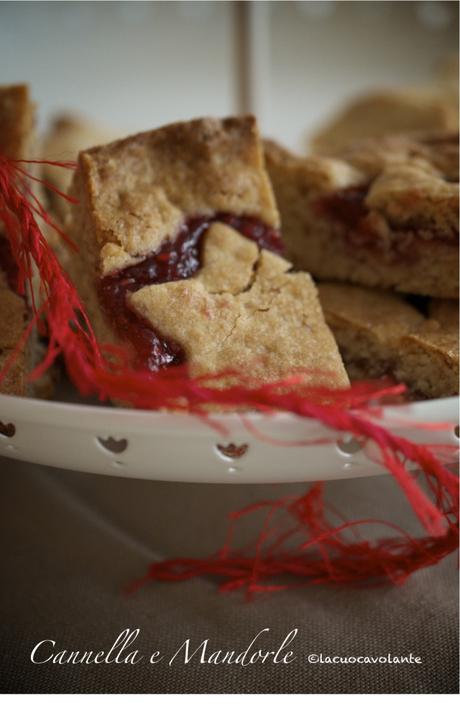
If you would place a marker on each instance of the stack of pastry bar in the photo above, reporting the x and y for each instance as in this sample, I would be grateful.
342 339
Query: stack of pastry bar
179 259
178 237
377 226
16 123
18 141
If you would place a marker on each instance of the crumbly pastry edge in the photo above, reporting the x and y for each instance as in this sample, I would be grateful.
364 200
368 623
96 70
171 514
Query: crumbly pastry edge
318 245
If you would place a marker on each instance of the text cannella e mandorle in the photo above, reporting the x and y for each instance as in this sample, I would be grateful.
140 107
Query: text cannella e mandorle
258 651
122 652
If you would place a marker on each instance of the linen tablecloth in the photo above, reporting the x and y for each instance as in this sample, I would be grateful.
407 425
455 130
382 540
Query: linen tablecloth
70 542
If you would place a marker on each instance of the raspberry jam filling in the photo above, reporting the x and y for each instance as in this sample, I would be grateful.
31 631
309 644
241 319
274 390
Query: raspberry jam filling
347 207
8 265
176 259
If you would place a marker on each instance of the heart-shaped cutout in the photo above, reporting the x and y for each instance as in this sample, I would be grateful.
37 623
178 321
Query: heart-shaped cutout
233 451
7 429
350 445
113 445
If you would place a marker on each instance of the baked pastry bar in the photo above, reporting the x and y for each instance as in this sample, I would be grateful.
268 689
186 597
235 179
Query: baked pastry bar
429 357
379 333
14 317
368 325
16 121
391 111
16 124
68 134
384 214
429 108
245 311
179 242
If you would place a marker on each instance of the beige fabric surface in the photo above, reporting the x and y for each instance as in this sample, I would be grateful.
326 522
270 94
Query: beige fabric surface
69 542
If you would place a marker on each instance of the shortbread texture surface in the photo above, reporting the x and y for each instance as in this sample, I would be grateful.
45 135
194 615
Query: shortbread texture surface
138 190
243 310
380 334
382 214
16 122
390 111
428 359
66 137
14 317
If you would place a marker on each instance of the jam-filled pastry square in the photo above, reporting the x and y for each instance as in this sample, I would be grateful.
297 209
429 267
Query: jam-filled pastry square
179 256
383 213
244 310
380 112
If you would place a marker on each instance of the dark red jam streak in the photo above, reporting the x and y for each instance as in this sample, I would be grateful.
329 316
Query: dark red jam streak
7 263
347 207
178 258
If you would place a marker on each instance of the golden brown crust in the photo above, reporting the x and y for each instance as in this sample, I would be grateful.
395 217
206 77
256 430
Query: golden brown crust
98 236
379 333
367 325
67 136
434 153
391 111
140 189
243 310
431 355
428 361
16 121
405 235
14 382
386 315
14 317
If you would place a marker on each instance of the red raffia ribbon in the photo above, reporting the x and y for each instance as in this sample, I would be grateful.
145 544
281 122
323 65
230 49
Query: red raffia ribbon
325 552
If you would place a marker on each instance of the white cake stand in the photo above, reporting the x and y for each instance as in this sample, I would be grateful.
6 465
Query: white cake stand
167 446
